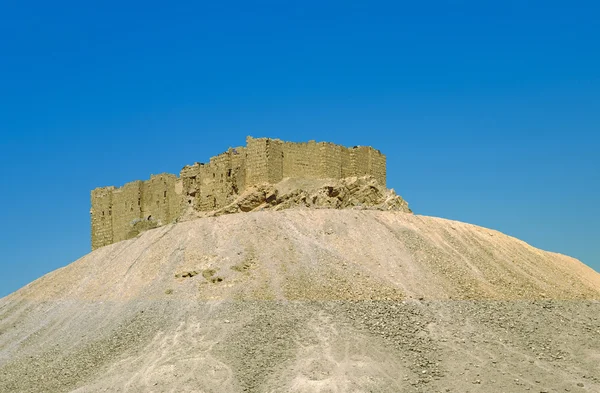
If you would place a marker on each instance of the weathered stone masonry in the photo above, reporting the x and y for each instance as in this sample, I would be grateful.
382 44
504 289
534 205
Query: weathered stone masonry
206 187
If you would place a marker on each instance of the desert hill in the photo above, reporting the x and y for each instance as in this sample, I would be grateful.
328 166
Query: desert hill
307 300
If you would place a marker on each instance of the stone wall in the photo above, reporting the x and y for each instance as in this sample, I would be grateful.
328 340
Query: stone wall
301 160
190 181
160 200
378 166
257 169
274 161
116 210
101 217
206 187
126 207
330 160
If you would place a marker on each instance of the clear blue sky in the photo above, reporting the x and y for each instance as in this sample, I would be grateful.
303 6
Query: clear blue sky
488 112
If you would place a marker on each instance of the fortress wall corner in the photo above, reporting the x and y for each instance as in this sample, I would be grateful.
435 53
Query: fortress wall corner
256 161
127 206
101 217
264 160
362 161
378 166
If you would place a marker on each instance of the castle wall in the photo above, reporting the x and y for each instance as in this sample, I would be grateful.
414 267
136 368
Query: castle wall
126 206
347 159
206 187
216 184
330 161
190 181
378 167
301 160
159 200
115 210
362 160
238 169
274 161
256 161
101 217
294 159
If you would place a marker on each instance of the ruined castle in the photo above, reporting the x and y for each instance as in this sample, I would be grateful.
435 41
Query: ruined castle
206 187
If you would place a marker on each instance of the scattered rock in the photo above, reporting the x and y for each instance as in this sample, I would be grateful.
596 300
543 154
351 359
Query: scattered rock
185 274
208 273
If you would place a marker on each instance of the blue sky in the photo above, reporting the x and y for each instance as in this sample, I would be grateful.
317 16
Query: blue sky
488 112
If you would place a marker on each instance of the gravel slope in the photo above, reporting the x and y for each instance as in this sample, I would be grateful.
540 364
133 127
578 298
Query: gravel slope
307 301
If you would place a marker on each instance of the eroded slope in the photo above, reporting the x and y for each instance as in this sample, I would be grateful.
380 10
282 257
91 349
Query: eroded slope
307 301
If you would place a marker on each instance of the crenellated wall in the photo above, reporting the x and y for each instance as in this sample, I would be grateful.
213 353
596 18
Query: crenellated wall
206 187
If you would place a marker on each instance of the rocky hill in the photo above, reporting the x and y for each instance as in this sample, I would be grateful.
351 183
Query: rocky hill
307 300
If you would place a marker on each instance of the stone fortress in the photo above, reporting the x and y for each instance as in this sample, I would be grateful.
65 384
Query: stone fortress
117 212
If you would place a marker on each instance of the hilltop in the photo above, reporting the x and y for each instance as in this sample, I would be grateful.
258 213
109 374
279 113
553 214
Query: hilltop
307 300
213 186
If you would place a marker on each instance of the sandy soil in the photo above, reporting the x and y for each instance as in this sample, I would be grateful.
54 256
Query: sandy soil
307 301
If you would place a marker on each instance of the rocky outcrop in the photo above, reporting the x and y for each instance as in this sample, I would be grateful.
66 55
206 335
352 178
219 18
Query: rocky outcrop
141 225
350 193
